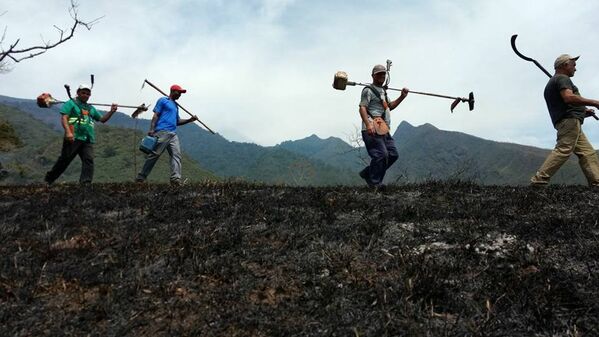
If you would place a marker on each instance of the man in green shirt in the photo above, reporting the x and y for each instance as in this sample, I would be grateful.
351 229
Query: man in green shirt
78 122
568 109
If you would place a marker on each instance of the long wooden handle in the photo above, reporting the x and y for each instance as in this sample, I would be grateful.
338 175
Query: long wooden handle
179 105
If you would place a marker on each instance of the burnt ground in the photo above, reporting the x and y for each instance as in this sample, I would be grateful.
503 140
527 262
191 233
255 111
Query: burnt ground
231 259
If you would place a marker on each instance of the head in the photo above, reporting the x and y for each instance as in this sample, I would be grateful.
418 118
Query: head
176 91
565 64
379 74
84 92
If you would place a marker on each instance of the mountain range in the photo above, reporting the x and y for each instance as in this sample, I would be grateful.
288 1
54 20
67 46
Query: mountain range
425 153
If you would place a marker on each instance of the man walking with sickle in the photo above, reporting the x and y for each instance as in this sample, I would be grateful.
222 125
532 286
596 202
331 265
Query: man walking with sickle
375 109
568 109
164 126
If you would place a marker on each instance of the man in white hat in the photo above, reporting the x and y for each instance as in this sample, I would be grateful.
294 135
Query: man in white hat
568 109
78 123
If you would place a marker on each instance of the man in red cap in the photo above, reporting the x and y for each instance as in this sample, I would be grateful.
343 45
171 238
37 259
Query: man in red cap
163 127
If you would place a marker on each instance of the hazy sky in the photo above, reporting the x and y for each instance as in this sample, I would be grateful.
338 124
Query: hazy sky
261 70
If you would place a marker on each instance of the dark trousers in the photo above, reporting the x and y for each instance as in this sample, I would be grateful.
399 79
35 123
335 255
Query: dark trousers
383 154
69 150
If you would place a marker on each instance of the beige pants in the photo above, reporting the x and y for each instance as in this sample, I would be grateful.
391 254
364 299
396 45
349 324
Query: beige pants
570 139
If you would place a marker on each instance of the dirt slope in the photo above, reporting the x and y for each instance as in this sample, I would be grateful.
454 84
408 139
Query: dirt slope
246 260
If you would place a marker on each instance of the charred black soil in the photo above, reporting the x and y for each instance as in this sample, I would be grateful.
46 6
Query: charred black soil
223 259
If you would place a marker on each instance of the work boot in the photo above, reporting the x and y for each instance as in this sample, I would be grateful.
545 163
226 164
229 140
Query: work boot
364 175
48 181
538 181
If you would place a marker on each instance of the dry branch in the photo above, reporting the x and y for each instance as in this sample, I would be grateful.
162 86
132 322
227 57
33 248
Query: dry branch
17 55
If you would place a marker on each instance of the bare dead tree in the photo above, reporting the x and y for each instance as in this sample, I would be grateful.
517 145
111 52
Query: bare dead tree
355 140
16 54
301 172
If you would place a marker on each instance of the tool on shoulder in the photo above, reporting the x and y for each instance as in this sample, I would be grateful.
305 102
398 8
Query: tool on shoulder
529 59
179 105
45 100
340 82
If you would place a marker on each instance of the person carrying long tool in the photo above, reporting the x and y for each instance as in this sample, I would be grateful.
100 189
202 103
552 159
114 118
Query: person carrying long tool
568 109
375 109
78 122
164 126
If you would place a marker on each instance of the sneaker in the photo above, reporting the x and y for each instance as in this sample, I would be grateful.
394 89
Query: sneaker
176 182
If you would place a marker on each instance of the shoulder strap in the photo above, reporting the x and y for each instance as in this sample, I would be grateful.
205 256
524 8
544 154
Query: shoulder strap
377 94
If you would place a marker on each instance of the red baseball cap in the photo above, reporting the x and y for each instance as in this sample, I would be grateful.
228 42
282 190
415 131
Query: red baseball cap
176 87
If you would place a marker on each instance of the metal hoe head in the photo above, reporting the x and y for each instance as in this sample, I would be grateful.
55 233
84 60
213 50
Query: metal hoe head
139 110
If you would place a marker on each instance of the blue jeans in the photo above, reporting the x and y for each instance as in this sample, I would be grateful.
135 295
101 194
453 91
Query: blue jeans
383 154
169 141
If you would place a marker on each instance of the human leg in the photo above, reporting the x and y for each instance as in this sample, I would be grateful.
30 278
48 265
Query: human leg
392 154
587 159
67 154
86 154
152 158
375 145
568 131
174 150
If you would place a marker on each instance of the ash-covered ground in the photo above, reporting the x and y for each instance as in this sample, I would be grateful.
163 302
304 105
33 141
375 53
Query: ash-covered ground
233 259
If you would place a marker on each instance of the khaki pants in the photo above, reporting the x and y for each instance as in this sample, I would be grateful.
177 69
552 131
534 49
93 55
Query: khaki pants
570 139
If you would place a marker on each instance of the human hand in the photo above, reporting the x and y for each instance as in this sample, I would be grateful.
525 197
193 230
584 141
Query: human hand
590 113
113 107
404 92
68 135
370 128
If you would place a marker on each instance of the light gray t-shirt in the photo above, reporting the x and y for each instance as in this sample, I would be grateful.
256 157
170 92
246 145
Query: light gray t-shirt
374 104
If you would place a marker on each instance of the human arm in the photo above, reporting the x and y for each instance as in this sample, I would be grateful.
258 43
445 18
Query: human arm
185 121
65 112
366 121
107 116
404 93
68 134
570 98
153 124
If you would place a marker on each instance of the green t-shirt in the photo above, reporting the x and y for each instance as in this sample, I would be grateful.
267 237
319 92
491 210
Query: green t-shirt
81 118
